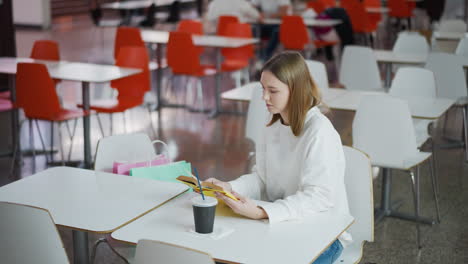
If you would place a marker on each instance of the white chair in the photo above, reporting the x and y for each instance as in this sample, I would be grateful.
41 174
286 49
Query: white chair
415 82
451 84
257 119
149 251
411 42
319 74
359 70
462 47
359 190
129 148
452 25
383 129
29 235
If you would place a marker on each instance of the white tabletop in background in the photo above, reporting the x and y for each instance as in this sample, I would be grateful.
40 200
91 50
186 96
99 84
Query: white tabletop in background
162 37
89 200
252 241
388 56
378 10
455 36
136 4
419 107
72 71
244 93
307 21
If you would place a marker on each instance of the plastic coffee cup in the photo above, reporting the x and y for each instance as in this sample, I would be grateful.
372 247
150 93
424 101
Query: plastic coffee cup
204 213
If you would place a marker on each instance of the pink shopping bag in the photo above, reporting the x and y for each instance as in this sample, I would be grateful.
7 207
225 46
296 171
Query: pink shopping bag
124 168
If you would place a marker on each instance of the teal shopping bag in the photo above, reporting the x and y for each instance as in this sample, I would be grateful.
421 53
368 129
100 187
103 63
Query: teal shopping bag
168 172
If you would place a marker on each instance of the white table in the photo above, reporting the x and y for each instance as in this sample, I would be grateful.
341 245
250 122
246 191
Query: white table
454 36
74 71
420 107
85 200
161 38
377 10
252 241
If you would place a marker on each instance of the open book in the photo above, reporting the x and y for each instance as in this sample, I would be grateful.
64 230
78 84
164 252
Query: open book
208 187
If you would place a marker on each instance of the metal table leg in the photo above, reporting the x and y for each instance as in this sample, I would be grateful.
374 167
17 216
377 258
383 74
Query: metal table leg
159 75
80 247
388 75
217 109
86 126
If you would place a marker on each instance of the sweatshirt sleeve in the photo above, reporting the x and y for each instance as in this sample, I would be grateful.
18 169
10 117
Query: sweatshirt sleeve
249 11
324 161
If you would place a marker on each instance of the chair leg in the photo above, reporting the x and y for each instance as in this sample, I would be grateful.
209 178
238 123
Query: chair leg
104 240
415 185
100 124
200 94
31 144
15 150
62 154
435 189
465 130
124 121
71 134
42 140
51 141
111 120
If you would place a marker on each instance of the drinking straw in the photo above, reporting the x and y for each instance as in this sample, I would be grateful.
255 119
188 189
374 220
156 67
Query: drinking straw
199 184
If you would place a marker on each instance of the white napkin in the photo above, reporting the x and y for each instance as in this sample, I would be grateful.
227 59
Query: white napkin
218 232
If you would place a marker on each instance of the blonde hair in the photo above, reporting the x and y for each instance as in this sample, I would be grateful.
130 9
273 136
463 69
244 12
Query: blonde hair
291 69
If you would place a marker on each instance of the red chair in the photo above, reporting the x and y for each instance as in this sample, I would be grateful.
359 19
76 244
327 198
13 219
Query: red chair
183 57
360 20
401 9
238 59
223 21
190 26
294 26
46 50
36 95
132 89
317 5
127 36
374 18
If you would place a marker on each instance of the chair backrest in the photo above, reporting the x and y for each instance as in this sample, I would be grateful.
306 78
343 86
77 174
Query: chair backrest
364 77
257 115
319 74
462 48
449 74
411 42
239 30
317 5
35 91
223 21
383 128
149 251
45 50
400 8
190 26
125 148
452 25
359 190
132 88
29 235
413 82
182 55
293 26
358 15
127 36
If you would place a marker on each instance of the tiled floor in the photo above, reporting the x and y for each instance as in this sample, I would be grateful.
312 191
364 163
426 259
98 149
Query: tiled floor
217 147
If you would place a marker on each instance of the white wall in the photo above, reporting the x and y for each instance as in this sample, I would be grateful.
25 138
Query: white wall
32 13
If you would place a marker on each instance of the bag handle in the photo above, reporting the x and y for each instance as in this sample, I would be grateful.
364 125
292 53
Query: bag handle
166 150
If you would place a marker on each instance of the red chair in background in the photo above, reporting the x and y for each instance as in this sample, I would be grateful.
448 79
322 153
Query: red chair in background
401 9
190 26
294 26
317 5
127 36
183 57
223 21
131 90
360 19
36 95
46 50
374 17
237 60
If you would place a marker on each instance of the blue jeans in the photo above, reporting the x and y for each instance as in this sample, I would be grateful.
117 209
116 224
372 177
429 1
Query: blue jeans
331 254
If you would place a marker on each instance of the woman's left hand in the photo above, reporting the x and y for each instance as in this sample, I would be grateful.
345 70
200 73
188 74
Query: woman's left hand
244 206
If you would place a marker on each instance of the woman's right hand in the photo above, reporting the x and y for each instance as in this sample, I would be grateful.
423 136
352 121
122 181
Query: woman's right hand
225 185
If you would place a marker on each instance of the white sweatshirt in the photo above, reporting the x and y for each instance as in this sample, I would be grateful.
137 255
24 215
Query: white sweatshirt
298 175
240 8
